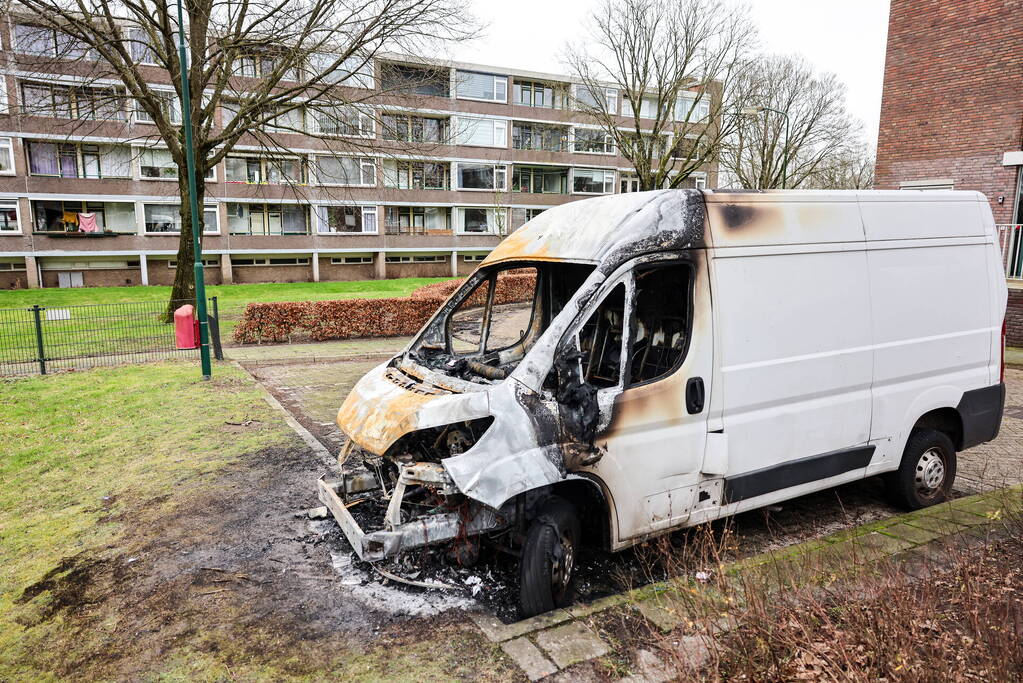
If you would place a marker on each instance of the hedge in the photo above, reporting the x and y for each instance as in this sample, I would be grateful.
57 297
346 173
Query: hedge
350 318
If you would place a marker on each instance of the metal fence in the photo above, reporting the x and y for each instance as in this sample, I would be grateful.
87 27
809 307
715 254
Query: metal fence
45 339
1010 239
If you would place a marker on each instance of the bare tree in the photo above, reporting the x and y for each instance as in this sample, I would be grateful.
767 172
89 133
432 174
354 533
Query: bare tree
675 64
258 70
851 170
796 127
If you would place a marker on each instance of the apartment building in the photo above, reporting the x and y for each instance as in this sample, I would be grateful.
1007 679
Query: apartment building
952 111
431 182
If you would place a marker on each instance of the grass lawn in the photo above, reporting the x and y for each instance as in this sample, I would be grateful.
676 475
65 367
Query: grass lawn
148 532
81 448
80 336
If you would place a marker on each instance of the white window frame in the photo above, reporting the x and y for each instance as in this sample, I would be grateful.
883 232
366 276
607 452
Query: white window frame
5 103
138 113
368 212
500 226
344 260
500 177
211 176
364 163
473 258
609 142
9 142
6 204
700 103
497 79
366 123
610 97
140 214
500 129
211 262
609 181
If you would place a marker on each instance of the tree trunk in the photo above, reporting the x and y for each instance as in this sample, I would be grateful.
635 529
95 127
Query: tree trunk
184 276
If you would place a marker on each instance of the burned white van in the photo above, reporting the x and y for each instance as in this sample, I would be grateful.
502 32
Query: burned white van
624 366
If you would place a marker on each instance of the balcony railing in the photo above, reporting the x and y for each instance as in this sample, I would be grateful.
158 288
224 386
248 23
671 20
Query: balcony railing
1010 239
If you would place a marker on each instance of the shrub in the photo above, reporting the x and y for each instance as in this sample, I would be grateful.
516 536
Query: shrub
351 318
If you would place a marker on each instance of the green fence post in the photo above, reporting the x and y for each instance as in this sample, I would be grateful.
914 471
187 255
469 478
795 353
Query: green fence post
39 339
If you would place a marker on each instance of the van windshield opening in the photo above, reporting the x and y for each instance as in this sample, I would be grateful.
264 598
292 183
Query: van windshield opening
498 315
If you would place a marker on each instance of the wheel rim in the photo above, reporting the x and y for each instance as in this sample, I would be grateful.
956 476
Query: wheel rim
930 473
562 563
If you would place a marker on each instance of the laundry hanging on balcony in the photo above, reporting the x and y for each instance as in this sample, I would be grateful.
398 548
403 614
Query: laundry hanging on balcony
87 222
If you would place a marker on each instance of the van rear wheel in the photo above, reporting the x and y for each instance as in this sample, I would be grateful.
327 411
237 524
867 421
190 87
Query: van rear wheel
548 558
927 471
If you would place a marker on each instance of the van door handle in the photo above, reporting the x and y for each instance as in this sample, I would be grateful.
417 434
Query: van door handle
694 395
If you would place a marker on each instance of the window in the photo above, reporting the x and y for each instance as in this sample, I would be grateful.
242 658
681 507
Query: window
167 218
169 105
472 85
139 47
473 258
408 220
594 140
6 156
661 322
12 265
601 99
689 108
259 170
347 219
206 263
405 128
539 137
593 181
415 80
72 102
342 120
278 119
696 181
482 132
481 177
354 71
267 219
9 217
283 261
538 94
647 107
159 164
416 175
264 64
431 258
602 341
478 220
351 260
629 183
68 160
346 171
77 216
521 216
544 179
397 259
45 42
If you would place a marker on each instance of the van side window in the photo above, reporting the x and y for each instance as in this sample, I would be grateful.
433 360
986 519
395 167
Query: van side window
465 326
601 339
661 321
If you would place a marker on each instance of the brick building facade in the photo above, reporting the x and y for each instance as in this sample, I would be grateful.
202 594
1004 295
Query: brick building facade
952 107
432 181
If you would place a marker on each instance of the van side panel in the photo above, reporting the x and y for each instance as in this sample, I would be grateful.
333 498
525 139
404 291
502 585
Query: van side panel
795 355
932 327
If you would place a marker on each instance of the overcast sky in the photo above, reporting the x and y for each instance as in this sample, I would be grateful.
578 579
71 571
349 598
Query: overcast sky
846 38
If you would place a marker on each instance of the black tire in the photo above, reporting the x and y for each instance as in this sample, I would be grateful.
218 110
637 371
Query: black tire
927 471
548 558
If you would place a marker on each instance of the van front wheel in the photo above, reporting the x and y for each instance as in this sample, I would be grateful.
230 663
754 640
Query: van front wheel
927 471
548 558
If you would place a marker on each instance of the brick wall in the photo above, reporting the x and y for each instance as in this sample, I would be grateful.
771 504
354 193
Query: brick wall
258 274
1014 319
100 277
951 104
330 272
13 279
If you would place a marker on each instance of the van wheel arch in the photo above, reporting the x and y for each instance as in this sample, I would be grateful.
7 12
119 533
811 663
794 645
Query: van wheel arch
588 497
947 420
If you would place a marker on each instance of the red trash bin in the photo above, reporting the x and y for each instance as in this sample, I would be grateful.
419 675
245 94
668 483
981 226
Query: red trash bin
186 327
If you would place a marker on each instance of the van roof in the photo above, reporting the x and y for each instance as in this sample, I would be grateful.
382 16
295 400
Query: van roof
607 230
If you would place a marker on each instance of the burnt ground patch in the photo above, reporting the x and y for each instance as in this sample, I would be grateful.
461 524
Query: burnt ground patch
222 567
